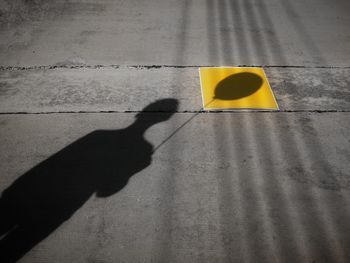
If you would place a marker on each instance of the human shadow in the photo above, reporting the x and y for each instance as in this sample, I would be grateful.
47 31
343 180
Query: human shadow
99 163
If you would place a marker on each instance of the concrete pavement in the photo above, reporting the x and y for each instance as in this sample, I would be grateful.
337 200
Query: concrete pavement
258 187
132 88
189 32
220 187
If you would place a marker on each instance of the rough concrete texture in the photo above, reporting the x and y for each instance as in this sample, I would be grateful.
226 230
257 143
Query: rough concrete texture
217 187
188 32
131 89
225 188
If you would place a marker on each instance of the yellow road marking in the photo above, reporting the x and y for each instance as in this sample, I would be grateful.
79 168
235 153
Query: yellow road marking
236 88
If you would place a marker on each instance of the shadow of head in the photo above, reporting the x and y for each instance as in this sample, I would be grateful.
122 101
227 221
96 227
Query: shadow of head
167 107
238 86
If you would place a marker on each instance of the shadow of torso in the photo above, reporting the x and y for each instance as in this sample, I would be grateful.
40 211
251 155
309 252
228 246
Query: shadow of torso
100 162
40 200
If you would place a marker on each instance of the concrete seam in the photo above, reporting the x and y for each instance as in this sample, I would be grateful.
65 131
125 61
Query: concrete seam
48 67
179 112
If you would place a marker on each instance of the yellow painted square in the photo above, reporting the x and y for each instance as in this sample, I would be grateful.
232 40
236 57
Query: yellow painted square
225 88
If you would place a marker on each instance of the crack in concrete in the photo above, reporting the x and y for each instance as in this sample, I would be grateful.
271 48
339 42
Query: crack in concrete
178 112
47 67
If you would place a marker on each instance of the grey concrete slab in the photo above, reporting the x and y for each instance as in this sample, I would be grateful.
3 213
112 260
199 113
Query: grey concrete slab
131 89
217 187
189 32
233 187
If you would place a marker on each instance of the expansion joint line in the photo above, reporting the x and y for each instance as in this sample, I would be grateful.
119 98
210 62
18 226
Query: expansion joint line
177 112
83 66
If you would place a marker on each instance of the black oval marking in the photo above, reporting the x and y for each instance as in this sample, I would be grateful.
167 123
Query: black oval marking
238 86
